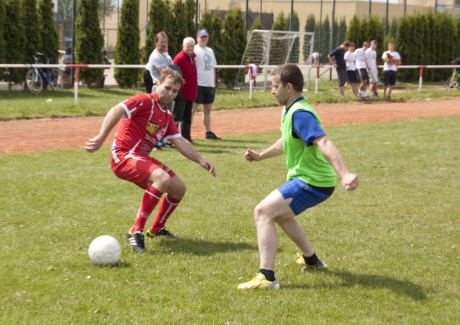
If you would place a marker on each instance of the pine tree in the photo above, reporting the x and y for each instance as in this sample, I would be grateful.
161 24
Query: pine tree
342 30
160 19
309 28
127 48
190 17
445 42
49 36
14 34
325 39
32 29
280 24
375 32
295 53
354 31
180 29
2 39
234 38
89 40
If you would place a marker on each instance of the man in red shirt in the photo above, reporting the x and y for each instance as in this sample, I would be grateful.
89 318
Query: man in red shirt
185 59
144 121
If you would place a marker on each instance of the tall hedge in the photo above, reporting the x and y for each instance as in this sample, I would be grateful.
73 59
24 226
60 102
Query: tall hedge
127 48
310 28
295 53
14 35
2 31
89 40
160 19
32 29
48 34
234 38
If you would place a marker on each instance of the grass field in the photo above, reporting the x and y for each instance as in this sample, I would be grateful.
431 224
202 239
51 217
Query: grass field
392 246
91 102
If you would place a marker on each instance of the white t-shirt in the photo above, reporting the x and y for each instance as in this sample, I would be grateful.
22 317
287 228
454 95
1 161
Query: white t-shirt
205 63
360 58
350 60
158 60
371 56
388 66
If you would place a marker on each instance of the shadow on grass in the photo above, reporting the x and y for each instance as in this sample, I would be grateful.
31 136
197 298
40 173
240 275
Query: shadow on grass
373 281
203 247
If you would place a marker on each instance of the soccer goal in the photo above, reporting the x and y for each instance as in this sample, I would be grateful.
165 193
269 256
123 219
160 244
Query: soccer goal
272 48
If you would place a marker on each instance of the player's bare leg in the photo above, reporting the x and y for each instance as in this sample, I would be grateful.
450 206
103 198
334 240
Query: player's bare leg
207 116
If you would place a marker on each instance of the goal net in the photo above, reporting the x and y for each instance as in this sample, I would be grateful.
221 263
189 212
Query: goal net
272 48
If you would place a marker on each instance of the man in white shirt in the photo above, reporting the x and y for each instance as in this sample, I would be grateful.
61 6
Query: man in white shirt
361 67
158 60
205 64
371 62
351 69
392 59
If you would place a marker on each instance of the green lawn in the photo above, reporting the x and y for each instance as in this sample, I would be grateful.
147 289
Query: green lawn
392 246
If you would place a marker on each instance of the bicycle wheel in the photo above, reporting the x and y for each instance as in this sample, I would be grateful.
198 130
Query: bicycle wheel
34 81
55 79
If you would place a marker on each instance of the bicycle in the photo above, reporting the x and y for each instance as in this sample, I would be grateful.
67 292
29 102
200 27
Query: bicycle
39 78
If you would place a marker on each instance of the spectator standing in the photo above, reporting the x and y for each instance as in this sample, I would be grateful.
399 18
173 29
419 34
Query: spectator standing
182 112
315 57
361 67
337 60
144 119
392 59
158 60
351 69
371 62
205 63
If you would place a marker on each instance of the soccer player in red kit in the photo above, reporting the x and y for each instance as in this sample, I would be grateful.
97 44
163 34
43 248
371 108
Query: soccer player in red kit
145 120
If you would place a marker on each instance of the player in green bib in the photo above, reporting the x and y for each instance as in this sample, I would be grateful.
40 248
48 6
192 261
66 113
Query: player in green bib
313 165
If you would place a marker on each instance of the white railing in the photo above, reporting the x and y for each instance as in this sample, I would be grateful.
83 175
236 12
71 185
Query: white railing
76 68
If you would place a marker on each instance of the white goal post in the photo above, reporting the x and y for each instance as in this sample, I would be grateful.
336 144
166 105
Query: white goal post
272 48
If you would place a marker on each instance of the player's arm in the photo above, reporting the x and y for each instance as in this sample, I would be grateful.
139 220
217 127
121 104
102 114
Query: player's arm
349 181
110 120
274 150
187 150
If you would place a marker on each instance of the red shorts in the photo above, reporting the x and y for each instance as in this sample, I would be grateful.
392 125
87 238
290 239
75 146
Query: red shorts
137 168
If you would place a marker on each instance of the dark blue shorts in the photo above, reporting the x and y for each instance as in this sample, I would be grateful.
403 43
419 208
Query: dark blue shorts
303 196
205 95
351 74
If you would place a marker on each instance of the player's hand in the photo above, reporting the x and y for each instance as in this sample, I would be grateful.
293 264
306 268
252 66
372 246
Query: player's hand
208 166
251 155
94 144
349 181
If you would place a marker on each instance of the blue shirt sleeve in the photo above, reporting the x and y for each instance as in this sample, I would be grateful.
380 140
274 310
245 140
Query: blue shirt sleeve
306 127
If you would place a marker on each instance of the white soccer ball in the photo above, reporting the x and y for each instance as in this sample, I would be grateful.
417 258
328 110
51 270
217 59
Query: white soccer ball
104 250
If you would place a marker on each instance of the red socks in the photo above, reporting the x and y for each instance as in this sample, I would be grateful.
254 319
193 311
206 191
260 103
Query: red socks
149 201
167 206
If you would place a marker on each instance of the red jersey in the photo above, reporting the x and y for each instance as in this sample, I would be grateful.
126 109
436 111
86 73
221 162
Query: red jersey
144 124
188 66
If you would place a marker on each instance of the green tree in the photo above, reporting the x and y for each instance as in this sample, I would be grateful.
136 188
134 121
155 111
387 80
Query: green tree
32 29
375 31
160 19
48 34
445 42
325 39
180 29
2 31
354 31
342 30
127 49
295 52
89 40
276 45
310 24
190 17
234 38
256 24
14 34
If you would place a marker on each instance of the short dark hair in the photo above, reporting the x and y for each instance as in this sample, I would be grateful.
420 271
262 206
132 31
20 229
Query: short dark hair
170 73
290 73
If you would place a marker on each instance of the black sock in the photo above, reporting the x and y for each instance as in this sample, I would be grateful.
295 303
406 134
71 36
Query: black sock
311 260
269 274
